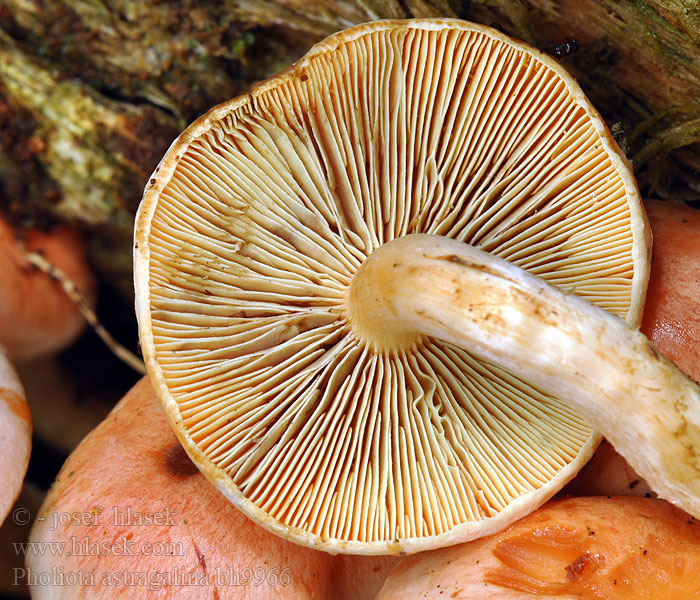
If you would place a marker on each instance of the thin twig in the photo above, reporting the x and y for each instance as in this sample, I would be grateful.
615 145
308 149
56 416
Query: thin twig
77 297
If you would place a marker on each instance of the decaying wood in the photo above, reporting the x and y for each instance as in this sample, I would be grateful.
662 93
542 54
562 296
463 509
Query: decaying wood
93 92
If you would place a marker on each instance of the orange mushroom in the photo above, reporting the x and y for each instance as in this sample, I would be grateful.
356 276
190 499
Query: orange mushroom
672 311
620 548
138 520
37 318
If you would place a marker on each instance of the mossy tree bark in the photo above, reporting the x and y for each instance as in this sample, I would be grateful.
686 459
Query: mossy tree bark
93 92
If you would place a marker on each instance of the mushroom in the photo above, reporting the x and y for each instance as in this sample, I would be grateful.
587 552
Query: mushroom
334 306
620 548
133 517
15 435
37 318
671 314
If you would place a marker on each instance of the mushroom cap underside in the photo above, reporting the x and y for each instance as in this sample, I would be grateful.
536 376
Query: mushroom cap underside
262 211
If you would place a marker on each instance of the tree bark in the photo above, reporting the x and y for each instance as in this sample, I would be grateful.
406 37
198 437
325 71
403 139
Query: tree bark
93 92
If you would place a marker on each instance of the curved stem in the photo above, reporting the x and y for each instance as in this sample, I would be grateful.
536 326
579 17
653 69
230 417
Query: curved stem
424 285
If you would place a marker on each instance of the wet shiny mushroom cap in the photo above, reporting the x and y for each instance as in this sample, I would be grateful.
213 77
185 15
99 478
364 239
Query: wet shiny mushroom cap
286 392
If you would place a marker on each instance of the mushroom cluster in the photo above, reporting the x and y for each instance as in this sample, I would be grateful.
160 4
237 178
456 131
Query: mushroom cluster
382 296
37 320
389 300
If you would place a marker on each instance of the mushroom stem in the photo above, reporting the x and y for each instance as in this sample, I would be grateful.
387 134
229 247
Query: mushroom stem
424 285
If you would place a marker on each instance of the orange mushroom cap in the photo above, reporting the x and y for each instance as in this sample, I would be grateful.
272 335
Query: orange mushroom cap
672 312
36 316
620 548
